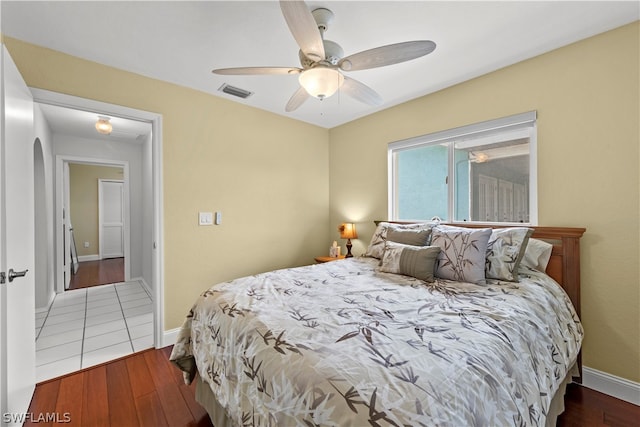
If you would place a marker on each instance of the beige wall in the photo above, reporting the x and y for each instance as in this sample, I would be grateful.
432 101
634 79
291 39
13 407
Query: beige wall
266 173
587 97
83 200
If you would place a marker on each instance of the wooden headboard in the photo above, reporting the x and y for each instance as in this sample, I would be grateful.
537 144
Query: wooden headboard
564 265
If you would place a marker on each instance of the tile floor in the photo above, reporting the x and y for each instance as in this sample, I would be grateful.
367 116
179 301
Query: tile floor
86 327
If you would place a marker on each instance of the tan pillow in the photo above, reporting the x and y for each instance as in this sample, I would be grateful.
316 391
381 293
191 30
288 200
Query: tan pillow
409 237
414 261
376 246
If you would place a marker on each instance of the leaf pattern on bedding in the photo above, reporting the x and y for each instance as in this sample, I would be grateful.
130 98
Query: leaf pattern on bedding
341 343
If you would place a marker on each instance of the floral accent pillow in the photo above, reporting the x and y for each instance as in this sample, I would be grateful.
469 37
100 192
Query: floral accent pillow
377 244
505 250
414 261
463 253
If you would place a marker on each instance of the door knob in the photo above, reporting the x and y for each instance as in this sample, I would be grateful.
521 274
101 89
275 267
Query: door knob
16 274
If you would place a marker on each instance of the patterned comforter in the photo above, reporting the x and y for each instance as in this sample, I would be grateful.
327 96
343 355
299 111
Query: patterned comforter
343 344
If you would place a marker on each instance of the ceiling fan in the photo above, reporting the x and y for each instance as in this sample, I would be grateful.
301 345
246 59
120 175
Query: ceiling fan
323 61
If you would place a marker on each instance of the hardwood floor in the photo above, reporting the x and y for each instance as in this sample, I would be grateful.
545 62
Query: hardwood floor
145 389
94 273
586 407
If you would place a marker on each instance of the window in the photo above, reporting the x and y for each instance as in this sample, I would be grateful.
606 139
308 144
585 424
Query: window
485 172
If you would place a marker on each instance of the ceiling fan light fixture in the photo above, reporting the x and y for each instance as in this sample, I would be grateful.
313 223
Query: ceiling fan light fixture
321 82
103 125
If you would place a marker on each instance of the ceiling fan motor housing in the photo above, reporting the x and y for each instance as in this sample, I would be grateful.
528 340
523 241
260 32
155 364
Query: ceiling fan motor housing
333 53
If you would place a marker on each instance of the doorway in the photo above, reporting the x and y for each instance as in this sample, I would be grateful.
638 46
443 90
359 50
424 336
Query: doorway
142 260
97 222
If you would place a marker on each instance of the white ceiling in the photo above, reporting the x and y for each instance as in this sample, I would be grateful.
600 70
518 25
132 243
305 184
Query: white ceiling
181 41
68 121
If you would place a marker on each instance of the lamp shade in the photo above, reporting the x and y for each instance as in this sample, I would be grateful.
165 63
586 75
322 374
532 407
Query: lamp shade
348 231
321 82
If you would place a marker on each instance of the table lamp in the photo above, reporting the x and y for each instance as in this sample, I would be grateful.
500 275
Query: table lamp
348 231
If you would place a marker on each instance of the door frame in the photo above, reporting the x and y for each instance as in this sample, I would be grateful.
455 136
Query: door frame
62 194
155 119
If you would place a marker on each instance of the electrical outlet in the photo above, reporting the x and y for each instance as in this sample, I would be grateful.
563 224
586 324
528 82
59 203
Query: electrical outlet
86 244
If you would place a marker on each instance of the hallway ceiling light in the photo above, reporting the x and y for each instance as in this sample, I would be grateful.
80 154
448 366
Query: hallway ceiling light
103 125
480 157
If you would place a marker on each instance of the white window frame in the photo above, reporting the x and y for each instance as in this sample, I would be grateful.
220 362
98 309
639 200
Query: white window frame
515 124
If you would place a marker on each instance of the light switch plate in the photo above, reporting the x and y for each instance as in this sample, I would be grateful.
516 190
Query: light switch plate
218 218
205 218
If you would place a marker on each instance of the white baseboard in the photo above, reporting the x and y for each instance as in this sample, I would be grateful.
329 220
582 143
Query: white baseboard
83 258
612 385
44 309
170 337
144 284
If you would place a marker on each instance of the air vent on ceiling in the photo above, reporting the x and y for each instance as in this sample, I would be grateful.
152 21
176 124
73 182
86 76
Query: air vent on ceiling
235 91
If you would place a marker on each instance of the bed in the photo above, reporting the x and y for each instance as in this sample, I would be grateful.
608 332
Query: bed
352 343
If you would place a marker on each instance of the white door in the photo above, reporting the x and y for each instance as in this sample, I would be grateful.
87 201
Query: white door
520 209
111 218
17 297
505 200
487 198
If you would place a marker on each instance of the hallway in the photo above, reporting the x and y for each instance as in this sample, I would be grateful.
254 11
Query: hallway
100 272
89 326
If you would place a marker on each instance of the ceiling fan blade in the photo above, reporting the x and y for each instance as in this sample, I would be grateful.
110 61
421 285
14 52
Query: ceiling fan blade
361 92
257 70
297 99
387 55
304 28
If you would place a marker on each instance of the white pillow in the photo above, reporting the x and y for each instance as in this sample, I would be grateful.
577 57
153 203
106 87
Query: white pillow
537 255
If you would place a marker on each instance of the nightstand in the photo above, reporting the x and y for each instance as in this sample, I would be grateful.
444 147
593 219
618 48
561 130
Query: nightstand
321 259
